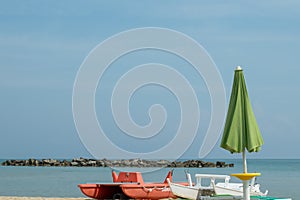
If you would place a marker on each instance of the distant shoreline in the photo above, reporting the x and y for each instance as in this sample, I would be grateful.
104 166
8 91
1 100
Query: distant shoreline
86 162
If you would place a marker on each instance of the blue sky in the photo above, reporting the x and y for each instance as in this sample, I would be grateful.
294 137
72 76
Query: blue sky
43 44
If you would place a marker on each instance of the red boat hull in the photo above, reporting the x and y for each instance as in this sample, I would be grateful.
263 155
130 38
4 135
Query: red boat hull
148 191
102 191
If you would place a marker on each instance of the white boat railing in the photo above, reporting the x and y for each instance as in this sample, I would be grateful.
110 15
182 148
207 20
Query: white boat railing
212 177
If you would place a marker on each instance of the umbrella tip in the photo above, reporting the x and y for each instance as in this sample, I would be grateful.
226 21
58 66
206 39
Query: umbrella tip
238 68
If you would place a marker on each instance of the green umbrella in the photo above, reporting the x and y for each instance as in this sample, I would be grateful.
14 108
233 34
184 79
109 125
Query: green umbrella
241 131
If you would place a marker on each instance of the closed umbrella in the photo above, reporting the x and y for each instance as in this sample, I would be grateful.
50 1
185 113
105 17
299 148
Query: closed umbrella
241 131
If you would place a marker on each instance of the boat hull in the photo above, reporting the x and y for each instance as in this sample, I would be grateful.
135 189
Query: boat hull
189 192
148 191
102 191
232 191
223 191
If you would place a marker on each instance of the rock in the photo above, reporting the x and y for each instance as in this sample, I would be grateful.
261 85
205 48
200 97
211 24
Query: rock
6 163
107 163
172 164
74 164
26 162
209 164
92 163
100 163
65 163
31 161
36 163
83 162
220 164
46 161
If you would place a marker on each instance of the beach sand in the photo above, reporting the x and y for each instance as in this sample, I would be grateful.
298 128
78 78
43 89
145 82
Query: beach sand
39 198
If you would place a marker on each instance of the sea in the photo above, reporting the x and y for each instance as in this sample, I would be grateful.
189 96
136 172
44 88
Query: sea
279 176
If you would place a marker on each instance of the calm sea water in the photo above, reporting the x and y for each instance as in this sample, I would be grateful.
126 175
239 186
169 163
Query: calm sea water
280 177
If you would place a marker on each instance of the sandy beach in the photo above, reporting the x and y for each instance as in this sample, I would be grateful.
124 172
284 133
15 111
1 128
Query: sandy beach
38 198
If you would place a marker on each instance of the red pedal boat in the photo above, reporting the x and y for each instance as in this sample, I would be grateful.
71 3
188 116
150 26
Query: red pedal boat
128 185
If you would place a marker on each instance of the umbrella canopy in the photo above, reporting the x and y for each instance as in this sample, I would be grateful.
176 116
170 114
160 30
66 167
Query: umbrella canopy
241 130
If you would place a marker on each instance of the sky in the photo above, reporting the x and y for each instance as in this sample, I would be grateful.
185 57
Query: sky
43 44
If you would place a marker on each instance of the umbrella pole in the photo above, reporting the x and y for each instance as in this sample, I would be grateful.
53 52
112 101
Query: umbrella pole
244 161
246 192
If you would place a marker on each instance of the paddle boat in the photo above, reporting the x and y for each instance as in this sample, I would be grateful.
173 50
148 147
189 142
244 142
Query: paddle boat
223 188
128 185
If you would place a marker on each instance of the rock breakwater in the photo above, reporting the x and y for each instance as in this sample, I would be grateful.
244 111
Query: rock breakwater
85 162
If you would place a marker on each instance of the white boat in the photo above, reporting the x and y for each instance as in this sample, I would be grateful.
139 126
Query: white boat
224 188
